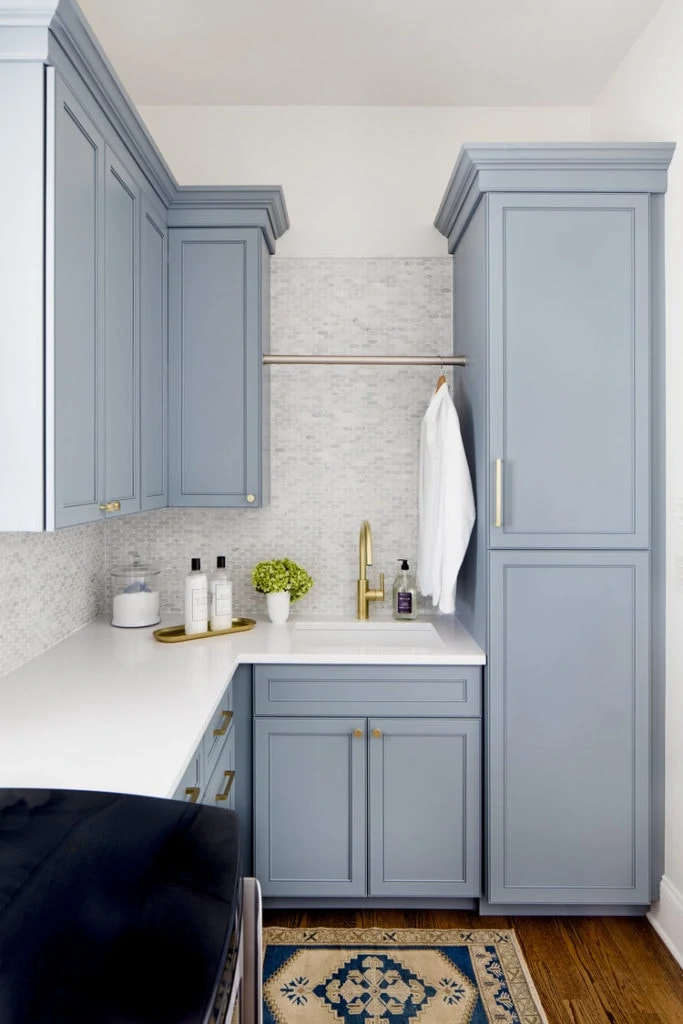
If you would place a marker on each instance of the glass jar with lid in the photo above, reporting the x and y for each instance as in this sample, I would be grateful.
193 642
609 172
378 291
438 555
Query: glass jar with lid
136 593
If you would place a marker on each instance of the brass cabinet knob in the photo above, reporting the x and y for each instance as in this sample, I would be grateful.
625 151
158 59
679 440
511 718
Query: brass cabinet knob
251 498
377 733
111 506
358 733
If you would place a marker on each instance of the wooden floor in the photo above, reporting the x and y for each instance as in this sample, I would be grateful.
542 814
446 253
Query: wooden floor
587 970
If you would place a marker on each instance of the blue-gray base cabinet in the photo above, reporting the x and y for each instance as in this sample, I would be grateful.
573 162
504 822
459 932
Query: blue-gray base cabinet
219 772
367 782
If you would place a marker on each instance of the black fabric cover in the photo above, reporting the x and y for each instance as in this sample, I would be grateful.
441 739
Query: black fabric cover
113 909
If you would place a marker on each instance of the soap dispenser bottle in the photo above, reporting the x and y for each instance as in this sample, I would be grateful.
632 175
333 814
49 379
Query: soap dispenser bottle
220 598
404 604
196 600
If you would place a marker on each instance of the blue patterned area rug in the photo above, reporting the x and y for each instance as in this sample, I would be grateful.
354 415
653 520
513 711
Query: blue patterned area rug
405 976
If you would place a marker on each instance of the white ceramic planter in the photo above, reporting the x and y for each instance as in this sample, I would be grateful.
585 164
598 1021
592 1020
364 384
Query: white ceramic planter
278 606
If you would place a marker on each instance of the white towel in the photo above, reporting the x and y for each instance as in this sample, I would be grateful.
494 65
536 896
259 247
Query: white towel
445 502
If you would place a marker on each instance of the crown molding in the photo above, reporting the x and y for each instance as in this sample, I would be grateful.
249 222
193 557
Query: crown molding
549 167
245 206
75 39
56 32
24 29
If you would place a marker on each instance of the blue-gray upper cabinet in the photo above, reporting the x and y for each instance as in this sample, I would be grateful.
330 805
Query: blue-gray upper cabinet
77 417
217 334
96 209
121 336
568 723
153 354
569 323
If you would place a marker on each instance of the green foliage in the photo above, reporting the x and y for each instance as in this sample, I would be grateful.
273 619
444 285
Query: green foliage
281 574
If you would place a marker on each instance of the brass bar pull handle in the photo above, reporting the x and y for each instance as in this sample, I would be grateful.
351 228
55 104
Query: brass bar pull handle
227 715
193 793
111 506
230 778
377 733
358 733
499 493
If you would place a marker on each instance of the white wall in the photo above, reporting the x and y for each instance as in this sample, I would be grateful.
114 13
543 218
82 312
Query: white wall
644 101
359 181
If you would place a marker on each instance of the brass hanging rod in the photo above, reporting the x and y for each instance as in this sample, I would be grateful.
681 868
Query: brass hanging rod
367 360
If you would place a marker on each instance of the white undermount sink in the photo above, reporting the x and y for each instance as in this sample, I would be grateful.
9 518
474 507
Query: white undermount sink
373 634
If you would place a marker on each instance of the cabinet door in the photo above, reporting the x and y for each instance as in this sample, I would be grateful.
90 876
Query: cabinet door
568 728
569 347
425 807
121 336
78 415
310 806
153 356
215 367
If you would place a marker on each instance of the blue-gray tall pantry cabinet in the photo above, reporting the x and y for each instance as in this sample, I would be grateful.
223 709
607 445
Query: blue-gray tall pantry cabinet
558 297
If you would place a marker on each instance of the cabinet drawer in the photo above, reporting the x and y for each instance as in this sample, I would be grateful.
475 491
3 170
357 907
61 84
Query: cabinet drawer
217 732
220 789
190 786
450 690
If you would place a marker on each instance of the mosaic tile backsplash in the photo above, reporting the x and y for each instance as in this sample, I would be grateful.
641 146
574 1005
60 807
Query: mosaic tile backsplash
50 585
345 440
344 448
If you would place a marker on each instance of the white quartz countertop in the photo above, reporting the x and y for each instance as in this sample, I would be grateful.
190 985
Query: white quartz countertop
115 710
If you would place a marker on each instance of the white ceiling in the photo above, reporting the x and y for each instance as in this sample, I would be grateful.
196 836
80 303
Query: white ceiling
374 52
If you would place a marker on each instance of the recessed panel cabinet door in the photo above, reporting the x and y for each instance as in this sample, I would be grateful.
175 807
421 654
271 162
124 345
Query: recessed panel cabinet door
425 807
569 323
215 367
568 728
153 356
121 336
78 417
310 806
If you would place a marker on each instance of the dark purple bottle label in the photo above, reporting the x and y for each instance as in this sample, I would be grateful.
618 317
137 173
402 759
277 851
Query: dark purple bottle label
404 604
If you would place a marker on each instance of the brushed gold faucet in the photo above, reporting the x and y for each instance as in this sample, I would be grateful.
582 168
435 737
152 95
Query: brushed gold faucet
365 559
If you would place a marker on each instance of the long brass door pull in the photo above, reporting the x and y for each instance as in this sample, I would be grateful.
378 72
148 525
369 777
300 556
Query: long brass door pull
227 715
193 793
230 778
499 493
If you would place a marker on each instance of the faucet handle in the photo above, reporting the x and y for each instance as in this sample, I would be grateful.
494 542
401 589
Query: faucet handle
381 586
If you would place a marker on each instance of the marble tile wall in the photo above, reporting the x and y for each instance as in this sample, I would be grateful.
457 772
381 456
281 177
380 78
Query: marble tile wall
50 585
344 448
345 440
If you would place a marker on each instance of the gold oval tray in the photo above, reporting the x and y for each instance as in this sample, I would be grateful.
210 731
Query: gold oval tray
176 634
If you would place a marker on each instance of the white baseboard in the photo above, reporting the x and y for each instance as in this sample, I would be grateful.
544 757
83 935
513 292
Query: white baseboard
666 917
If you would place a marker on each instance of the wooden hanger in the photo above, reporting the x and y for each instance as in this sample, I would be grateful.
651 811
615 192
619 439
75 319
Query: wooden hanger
440 381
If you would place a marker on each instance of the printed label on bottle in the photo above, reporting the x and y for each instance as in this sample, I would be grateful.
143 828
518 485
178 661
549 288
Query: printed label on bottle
222 596
199 605
404 603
